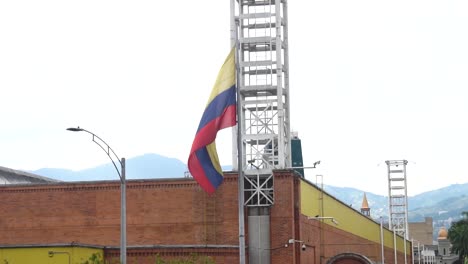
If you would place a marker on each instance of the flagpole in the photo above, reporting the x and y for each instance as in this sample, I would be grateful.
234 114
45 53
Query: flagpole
240 167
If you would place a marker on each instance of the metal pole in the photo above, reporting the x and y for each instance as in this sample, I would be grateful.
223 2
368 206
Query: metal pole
404 246
240 167
123 210
394 247
406 236
412 250
123 215
419 253
321 208
232 44
382 241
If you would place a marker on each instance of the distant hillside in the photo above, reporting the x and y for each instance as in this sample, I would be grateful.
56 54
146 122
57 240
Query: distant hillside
148 166
433 197
443 210
444 204
353 197
142 167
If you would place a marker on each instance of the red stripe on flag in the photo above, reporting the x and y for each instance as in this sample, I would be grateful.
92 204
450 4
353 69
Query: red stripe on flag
207 134
198 173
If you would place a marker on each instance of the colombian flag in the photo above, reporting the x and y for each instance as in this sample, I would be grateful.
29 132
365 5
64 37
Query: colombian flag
220 112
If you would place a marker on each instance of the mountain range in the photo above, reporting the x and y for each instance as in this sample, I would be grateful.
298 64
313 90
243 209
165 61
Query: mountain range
441 204
444 205
141 167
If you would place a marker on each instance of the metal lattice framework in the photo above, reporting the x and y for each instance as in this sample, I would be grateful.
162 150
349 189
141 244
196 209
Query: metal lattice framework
264 94
397 197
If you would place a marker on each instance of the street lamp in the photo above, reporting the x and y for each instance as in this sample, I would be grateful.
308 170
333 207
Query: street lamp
123 212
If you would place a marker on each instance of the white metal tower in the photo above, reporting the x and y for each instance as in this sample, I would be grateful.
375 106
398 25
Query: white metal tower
264 94
260 28
397 197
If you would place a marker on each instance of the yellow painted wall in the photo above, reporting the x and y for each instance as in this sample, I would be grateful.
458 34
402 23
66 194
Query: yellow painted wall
40 255
349 219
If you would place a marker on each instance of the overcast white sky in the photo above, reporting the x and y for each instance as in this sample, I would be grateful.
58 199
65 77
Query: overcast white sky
370 81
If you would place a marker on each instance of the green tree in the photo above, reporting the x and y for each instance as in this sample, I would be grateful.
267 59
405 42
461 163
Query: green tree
458 236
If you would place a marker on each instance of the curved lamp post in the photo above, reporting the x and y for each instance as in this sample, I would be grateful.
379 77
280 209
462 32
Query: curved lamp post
123 215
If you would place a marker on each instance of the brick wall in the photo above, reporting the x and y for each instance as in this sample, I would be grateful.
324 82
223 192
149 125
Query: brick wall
283 215
326 241
159 212
171 217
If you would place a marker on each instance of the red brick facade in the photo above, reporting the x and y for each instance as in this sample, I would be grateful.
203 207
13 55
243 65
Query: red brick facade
336 241
171 217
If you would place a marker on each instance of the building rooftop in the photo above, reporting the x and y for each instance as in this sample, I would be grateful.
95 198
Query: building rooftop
11 176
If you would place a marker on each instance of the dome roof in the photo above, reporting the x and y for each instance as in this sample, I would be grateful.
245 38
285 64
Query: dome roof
442 233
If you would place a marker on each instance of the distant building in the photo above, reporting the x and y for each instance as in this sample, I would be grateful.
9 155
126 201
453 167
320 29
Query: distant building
427 251
428 256
10 176
422 231
445 255
365 209
424 250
